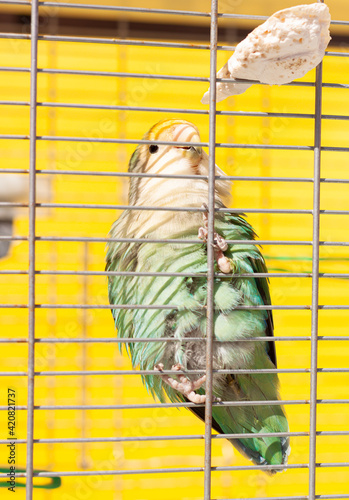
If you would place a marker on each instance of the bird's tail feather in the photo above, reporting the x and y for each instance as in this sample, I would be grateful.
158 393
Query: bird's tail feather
258 419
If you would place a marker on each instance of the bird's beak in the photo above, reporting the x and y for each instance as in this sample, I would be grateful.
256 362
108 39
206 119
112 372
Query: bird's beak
192 149
187 133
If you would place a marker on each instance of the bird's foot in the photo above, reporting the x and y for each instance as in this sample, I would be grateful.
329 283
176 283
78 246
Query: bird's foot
223 263
184 385
219 244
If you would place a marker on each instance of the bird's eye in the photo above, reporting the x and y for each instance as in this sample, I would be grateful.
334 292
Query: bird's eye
153 148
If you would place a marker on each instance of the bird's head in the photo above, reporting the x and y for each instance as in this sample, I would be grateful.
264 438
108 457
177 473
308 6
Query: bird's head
169 159
173 159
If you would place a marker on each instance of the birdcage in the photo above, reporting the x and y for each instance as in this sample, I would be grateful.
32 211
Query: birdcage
81 84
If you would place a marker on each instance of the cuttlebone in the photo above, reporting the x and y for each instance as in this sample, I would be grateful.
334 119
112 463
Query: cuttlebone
285 47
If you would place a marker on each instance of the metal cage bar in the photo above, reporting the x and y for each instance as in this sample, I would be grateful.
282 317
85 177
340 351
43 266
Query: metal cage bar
180 405
210 252
32 241
33 238
315 286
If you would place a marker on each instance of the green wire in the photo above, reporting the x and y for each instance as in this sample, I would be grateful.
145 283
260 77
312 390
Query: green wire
309 259
53 484
298 258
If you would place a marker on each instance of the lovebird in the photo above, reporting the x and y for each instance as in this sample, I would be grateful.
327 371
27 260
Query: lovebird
188 294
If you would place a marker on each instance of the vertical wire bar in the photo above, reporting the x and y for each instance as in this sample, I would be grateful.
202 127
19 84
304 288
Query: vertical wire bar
315 285
210 250
31 240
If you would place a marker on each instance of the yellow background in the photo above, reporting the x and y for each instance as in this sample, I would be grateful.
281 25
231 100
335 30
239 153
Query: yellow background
77 323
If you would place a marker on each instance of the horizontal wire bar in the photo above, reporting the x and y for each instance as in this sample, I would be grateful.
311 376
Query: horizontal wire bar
202 144
332 53
171 274
150 11
171 372
171 143
147 10
284 467
174 176
168 176
11 68
146 438
149 75
113 340
15 2
164 11
117 74
140 43
132 43
322 497
13 238
163 339
125 9
276 242
14 171
174 110
296 83
178 469
155 372
179 405
145 43
15 36
116 41
244 242
175 437
100 206
152 438
149 43
339 22
95 206
105 207
129 240
125 240
106 41
14 136
163 307
142 340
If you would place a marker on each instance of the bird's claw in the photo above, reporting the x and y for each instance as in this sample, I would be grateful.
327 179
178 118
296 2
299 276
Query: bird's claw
223 263
184 385
202 234
219 244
